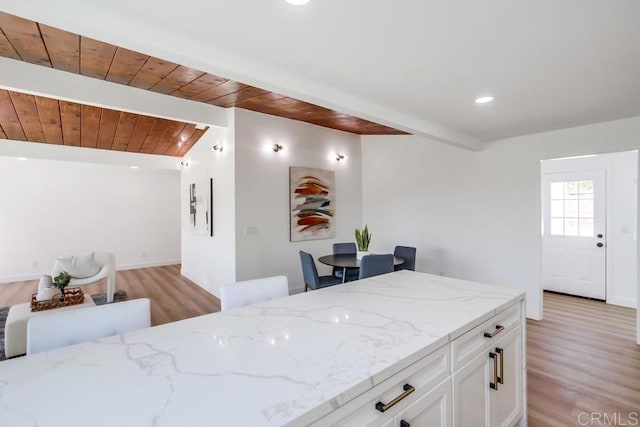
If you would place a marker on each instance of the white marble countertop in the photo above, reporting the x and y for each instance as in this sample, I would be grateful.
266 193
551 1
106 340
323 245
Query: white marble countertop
286 361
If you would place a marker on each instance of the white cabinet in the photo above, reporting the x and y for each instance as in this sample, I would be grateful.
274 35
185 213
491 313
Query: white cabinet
433 409
474 380
505 403
418 384
488 390
471 393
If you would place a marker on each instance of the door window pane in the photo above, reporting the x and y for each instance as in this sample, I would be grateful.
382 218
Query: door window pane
557 226
571 190
557 208
585 187
571 208
586 208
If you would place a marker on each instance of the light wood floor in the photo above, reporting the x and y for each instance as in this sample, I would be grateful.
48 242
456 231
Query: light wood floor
173 297
582 357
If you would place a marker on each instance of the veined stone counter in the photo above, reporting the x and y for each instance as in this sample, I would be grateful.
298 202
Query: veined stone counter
286 361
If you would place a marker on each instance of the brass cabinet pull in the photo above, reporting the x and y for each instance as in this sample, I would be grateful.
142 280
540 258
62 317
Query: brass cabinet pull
403 423
494 384
499 329
500 351
382 407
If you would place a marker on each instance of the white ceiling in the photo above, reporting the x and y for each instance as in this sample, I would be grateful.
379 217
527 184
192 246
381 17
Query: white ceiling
417 65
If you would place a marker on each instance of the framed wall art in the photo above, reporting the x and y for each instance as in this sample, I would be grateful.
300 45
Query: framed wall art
201 207
312 207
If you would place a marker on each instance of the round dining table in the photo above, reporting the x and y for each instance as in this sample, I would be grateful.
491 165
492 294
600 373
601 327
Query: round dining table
345 261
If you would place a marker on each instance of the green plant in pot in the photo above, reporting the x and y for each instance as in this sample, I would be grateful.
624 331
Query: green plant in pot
61 281
363 238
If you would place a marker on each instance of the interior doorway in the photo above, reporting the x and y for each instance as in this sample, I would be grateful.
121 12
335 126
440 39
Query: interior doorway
589 226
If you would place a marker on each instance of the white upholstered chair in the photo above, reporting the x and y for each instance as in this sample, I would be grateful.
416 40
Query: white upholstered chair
250 292
107 263
53 330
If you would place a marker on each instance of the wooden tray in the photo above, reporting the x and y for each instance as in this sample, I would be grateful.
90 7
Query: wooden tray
72 296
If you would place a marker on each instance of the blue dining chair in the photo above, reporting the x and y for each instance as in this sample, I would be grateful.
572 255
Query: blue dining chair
408 254
310 274
374 265
345 249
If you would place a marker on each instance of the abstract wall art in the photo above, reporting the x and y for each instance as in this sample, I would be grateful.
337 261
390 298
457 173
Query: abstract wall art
312 210
201 207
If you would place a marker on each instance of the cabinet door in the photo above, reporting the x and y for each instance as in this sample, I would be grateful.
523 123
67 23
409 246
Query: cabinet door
471 392
506 403
431 410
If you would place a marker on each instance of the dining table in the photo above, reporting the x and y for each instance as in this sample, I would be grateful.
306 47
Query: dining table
345 261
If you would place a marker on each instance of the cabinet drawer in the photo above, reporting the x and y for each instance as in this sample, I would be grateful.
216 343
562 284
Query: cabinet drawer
423 375
470 344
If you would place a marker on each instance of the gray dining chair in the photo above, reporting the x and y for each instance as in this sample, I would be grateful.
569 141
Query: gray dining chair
345 249
374 265
310 274
408 254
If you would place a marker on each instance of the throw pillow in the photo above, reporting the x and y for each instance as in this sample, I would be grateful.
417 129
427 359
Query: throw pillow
80 266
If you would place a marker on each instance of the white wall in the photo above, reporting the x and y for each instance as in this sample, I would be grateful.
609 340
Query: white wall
210 261
262 192
474 215
622 204
50 208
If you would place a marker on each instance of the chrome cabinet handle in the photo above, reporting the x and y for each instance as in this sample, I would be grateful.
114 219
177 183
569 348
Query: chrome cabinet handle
382 407
500 352
494 384
498 329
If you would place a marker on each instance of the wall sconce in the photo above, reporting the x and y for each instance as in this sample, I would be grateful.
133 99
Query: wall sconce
218 147
339 157
277 147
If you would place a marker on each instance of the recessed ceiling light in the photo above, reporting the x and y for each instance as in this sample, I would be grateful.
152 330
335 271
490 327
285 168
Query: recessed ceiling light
298 2
21 158
484 99
133 167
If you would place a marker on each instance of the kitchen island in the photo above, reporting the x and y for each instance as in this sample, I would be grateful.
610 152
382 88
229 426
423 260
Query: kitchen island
325 357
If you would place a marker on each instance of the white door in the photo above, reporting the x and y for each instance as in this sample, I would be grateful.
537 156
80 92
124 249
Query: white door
573 235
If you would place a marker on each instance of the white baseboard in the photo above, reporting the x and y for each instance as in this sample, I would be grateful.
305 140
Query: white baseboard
148 264
188 276
35 276
22 277
624 302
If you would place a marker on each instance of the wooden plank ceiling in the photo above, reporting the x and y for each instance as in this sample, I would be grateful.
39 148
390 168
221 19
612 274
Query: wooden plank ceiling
37 119
37 43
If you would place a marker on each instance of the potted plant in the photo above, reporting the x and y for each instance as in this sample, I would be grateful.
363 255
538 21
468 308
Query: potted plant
61 281
363 238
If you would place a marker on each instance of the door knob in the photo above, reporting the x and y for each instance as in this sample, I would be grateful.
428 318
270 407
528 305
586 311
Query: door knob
599 245
599 236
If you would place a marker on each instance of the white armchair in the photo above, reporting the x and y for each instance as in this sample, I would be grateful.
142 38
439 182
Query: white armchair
107 263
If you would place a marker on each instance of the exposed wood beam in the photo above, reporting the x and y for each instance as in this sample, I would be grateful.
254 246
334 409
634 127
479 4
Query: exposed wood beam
38 80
